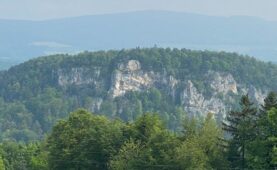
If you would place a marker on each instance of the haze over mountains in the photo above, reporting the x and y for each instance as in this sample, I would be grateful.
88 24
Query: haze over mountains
22 40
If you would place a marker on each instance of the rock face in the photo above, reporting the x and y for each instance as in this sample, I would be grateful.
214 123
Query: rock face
256 94
78 76
195 103
129 76
96 104
222 82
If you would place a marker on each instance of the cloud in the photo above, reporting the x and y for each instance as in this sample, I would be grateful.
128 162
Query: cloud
49 44
61 52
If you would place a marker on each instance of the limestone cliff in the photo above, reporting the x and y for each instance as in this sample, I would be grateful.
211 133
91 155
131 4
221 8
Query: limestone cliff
130 76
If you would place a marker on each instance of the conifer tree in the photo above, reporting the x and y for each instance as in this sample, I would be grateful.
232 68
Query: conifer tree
240 125
262 148
270 102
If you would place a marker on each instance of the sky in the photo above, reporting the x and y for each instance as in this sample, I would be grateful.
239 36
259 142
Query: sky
49 9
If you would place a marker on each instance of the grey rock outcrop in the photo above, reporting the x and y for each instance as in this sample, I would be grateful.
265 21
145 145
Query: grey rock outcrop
222 82
78 76
96 104
195 103
130 76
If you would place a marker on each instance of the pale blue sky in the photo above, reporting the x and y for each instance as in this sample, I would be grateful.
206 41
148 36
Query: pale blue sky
46 9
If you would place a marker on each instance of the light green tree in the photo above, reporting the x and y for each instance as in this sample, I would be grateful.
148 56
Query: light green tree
199 148
2 165
129 157
83 141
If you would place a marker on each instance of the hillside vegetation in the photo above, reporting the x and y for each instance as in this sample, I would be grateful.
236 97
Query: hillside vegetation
36 94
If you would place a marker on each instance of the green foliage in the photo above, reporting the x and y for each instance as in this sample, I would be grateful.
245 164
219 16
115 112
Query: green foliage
266 158
240 125
200 148
2 165
254 137
88 141
83 141
190 156
18 156
128 157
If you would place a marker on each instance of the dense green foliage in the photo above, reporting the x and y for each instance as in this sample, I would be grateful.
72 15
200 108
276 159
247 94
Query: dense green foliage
240 126
253 143
89 141
32 101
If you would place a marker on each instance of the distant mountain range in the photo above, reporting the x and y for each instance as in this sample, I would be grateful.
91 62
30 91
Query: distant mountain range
22 40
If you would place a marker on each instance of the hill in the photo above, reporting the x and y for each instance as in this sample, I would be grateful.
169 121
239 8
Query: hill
126 83
22 40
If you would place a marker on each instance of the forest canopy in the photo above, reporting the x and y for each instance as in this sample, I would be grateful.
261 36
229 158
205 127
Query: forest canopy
88 141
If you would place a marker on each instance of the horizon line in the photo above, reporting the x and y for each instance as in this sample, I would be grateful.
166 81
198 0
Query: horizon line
134 11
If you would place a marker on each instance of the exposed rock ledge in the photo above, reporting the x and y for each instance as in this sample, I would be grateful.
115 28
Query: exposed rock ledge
130 76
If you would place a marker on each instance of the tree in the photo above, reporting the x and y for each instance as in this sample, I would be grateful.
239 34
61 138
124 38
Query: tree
149 145
270 102
38 160
190 156
16 156
147 126
272 137
240 125
261 148
129 157
209 137
200 147
83 141
2 165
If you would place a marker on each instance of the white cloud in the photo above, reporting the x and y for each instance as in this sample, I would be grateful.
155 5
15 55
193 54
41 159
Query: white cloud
49 44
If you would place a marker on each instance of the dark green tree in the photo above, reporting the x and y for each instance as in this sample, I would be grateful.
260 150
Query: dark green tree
240 125
262 149
150 146
270 102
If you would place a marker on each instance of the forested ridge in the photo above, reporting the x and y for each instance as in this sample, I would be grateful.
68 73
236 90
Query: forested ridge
146 127
34 95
